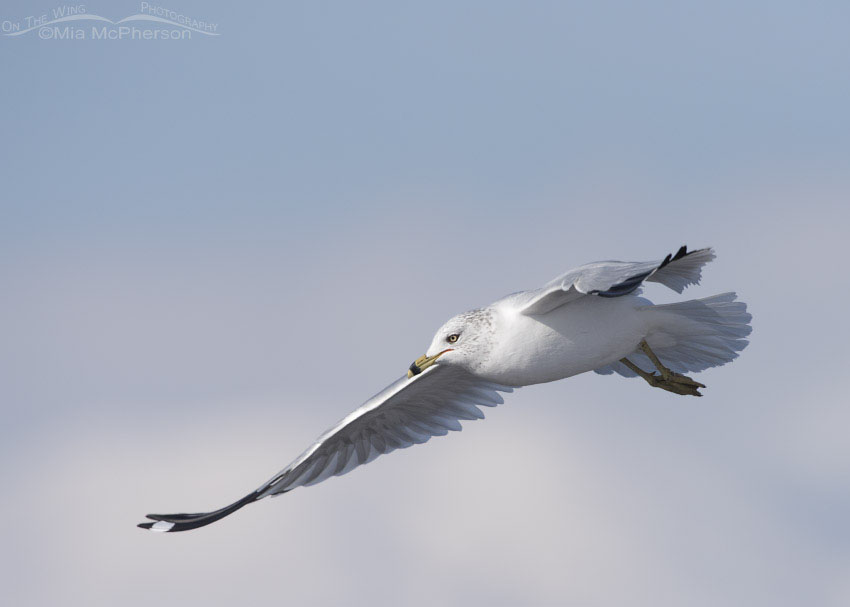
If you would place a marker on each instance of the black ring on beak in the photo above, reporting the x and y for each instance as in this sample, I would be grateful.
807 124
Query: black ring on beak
414 369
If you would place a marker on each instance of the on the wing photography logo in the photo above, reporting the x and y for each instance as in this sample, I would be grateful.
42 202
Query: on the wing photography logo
75 22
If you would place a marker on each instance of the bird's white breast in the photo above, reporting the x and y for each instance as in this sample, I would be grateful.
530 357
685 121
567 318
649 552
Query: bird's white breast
577 337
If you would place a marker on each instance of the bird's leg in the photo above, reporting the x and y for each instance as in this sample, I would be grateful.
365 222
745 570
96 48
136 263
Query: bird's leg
668 379
684 384
650 378
665 372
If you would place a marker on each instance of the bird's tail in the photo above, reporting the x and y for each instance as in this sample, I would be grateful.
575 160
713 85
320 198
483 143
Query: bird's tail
692 336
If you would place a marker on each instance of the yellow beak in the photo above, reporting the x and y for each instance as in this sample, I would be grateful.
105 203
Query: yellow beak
423 362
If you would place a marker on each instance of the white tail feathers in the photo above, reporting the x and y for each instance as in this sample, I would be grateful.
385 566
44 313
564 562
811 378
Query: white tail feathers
692 336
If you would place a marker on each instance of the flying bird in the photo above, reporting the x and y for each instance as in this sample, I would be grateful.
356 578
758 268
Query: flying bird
591 318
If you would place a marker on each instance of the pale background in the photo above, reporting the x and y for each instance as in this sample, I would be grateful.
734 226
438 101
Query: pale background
211 250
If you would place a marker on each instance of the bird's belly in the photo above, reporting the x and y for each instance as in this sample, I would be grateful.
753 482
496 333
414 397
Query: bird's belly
575 338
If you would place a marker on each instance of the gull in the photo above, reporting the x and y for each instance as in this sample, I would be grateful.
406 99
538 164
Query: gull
591 318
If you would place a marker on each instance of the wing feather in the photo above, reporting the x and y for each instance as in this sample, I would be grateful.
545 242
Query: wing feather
615 279
407 412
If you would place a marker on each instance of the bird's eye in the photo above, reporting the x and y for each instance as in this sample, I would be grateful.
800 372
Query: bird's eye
452 338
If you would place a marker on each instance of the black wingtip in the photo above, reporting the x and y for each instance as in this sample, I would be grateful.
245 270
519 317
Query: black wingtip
175 517
682 252
184 522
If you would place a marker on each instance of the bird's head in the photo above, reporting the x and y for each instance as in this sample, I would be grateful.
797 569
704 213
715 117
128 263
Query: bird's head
463 341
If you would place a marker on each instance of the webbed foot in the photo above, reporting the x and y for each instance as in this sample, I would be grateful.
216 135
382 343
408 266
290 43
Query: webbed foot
666 379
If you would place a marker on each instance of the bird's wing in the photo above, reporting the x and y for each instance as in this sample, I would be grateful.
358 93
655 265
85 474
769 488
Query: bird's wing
407 412
616 278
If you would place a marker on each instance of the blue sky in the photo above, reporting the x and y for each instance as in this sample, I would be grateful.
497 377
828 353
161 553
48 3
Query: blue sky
193 233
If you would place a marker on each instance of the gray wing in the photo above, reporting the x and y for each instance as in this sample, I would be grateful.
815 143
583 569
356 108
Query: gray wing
407 412
616 278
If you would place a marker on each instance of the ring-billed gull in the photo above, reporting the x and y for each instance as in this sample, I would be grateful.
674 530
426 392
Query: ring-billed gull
589 319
